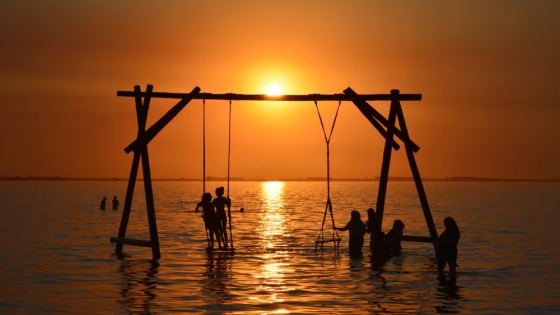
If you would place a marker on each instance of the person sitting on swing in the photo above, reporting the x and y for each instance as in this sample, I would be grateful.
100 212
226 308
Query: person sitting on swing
356 229
210 220
220 202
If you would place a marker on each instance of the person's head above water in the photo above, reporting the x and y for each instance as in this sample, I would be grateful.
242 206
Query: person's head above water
220 191
115 197
355 215
206 197
370 212
398 224
450 224
104 198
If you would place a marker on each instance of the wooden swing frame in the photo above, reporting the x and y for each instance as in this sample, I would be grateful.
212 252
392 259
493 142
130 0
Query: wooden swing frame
385 126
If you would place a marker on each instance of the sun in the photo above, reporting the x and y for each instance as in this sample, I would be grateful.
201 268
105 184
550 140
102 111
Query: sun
274 90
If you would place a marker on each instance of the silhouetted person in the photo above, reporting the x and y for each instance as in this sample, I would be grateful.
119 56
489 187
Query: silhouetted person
242 209
381 251
356 229
220 203
370 226
115 203
209 216
394 237
102 206
446 247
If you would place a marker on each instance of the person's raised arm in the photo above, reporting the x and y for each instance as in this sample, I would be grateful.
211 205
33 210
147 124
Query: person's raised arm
345 228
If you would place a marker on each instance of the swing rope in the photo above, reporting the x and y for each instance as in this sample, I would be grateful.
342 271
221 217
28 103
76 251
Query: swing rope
203 146
204 163
328 206
228 169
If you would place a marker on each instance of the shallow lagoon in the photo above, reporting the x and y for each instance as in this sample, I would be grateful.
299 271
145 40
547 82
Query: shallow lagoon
57 258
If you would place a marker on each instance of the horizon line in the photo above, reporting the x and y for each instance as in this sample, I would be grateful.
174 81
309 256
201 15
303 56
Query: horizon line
309 179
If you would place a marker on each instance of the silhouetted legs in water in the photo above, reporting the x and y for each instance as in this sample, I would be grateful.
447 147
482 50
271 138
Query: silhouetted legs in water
220 203
210 220
102 206
446 248
380 249
370 226
115 203
356 229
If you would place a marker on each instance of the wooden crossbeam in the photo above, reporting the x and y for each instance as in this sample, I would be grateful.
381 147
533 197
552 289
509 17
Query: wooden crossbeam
285 98
131 241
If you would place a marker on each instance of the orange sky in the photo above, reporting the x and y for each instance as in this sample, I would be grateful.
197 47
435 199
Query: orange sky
488 71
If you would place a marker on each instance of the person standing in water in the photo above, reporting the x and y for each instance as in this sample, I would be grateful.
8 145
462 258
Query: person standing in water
356 229
446 247
220 203
209 216
102 206
115 203
394 237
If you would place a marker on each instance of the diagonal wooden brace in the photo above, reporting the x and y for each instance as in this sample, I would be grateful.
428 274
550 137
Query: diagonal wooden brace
370 112
160 124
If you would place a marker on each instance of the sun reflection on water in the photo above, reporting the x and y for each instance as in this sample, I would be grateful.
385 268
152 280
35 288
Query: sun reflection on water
273 220
272 229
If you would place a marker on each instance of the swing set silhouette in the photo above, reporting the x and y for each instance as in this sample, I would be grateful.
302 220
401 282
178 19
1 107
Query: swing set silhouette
385 126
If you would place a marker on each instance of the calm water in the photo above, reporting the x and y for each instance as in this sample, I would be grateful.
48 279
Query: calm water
57 259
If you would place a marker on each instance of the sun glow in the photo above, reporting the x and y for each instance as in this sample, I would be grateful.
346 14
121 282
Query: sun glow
274 90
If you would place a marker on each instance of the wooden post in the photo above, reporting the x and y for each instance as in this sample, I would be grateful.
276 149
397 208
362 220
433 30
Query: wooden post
150 207
384 177
141 116
417 179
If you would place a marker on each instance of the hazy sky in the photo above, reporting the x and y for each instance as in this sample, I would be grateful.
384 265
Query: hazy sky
489 73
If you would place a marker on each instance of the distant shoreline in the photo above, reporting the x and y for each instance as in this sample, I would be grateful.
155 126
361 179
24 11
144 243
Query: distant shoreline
309 179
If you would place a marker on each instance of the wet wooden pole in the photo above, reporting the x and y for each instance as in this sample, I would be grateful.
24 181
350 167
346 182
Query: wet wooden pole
141 117
384 176
154 238
417 179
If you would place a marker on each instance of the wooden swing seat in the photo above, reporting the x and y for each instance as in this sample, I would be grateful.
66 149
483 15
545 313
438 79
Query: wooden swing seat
328 241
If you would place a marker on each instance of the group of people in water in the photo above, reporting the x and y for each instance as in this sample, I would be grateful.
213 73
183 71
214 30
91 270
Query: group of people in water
383 246
115 203
215 217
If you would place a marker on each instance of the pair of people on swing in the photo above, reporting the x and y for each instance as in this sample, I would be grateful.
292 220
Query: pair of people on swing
382 246
215 221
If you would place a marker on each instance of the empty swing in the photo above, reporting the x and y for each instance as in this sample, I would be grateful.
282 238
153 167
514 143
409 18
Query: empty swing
328 207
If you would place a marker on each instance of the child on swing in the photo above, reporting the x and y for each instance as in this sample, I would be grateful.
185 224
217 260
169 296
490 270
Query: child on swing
220 202
210 220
